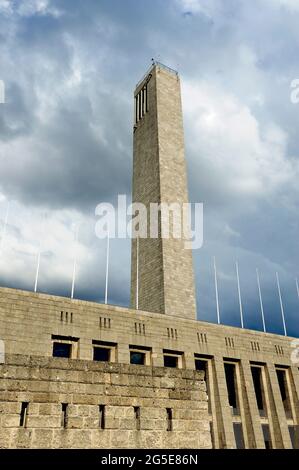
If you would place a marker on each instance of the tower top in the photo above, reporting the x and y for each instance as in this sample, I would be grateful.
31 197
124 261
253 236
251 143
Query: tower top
154 64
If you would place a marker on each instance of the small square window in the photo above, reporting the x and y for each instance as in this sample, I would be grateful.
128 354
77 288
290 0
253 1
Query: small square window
137 358
140 355
101 354
62 349
170 361
104 351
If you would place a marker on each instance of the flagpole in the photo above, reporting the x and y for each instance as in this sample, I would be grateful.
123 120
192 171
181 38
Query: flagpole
297 287
281 305
216 292
4 227
137 274
239 293
37 269
75 263
261 299
39 257
107 267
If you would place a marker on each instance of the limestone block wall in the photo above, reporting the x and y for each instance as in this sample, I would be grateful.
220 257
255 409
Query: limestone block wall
28 322
105 405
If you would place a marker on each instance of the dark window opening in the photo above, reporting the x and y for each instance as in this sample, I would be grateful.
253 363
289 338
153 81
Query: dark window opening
201 365
104 351
230 375
62 349
143 99
281 382
294 435
137 358
267 437
258 388
137 417
169 419
102 412
136 110
101 354
23 414
283 387
170 361
146 99
212 435
64 416
139 106
239 438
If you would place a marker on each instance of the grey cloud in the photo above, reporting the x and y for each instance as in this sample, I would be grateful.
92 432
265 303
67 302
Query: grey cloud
66 131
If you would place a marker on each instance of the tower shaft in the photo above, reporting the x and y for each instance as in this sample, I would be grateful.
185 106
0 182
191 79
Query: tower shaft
165 267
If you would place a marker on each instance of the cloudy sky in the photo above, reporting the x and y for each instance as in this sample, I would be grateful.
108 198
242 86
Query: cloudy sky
70 68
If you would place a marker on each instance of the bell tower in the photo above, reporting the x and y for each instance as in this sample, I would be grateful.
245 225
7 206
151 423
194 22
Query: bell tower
165 268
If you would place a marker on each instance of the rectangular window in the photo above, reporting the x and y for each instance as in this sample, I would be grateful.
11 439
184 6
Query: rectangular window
173 358
101 354
294 435
239 438
230 375
141 104
170 361
212 434
137 108
284 391
256 372
104 351
65 346
137 358
146 99
102 416
267 437
62 349
137 417
202 364
64 415
23 414
169 419
140 355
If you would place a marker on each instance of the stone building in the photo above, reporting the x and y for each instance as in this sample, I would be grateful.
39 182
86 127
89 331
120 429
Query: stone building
82 374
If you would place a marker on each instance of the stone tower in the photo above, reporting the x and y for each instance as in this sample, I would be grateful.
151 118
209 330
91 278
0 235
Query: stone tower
165 267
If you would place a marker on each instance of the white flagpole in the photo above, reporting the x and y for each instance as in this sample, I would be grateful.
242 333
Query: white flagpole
38 259
281 305
297 287
216 292
4 227
137 274
239 293
261 299
37 268
75 263
107 268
